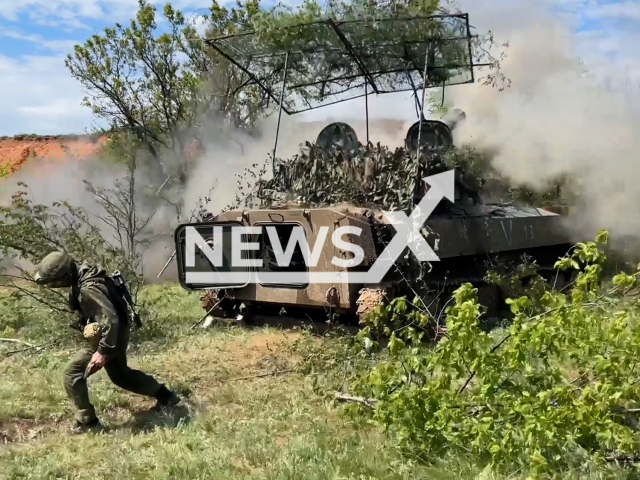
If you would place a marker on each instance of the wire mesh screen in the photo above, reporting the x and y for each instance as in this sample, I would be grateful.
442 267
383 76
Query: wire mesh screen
331 61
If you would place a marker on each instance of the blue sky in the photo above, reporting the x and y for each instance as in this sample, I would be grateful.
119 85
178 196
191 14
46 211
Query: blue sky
38 95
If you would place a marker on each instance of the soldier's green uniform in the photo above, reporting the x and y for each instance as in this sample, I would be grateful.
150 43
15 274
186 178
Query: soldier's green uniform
95 299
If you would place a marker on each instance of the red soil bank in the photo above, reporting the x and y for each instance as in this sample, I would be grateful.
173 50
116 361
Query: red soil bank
16 151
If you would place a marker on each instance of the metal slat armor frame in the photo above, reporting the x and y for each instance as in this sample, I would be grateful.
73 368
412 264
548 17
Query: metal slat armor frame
311 65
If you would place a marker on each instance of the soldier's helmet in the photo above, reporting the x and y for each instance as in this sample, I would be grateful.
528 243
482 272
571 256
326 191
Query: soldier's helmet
54 270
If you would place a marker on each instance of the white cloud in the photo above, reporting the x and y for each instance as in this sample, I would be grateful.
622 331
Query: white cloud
619 10
199 23
37 93
39 96
74 13
60 46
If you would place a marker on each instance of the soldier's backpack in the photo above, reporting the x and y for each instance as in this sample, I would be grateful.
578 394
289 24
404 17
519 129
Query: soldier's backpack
120 286
119 296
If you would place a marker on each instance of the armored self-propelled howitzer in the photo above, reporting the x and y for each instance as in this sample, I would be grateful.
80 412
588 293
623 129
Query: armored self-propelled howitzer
339 188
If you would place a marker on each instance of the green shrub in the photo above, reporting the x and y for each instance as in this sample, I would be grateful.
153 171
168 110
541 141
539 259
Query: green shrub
559 387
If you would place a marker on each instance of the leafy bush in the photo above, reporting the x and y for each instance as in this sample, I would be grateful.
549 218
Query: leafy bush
111 238
559 387
31 231
27 319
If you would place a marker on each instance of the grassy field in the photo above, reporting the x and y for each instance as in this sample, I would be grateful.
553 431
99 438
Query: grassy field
229 426
233 423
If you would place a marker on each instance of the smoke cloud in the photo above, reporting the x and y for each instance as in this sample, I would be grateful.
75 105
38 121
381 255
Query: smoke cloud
554 120
225 153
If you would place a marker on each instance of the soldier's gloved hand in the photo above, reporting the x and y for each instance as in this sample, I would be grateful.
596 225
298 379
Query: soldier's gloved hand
97 362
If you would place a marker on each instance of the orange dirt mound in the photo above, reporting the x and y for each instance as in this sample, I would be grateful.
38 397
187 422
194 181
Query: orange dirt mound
16 151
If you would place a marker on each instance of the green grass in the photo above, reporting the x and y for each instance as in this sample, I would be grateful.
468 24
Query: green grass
274 427
229 427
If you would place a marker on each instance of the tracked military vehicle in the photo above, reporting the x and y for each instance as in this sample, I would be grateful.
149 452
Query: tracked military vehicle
341 182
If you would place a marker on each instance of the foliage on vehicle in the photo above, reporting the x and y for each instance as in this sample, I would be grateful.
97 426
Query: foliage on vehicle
374 176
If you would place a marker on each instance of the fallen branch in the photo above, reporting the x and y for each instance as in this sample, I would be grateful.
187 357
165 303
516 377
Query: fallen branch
496 347
473 374
15 340
369 402
28 349
205 315
260 375
167 264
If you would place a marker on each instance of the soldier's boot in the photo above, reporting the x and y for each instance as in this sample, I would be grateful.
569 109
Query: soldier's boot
93 426
166 399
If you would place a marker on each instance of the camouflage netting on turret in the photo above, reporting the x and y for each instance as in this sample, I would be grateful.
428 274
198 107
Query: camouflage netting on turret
367 177
372 176
377 177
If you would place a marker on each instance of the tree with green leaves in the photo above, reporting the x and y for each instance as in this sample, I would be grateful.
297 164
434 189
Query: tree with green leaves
160 86
553 394
135 82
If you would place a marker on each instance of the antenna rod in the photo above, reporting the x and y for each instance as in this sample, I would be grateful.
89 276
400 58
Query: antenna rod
284 84
415 94
366 106
424 89
167 264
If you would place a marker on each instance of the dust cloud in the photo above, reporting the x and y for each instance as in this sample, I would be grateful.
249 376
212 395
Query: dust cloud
554 120
47 180
224 154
